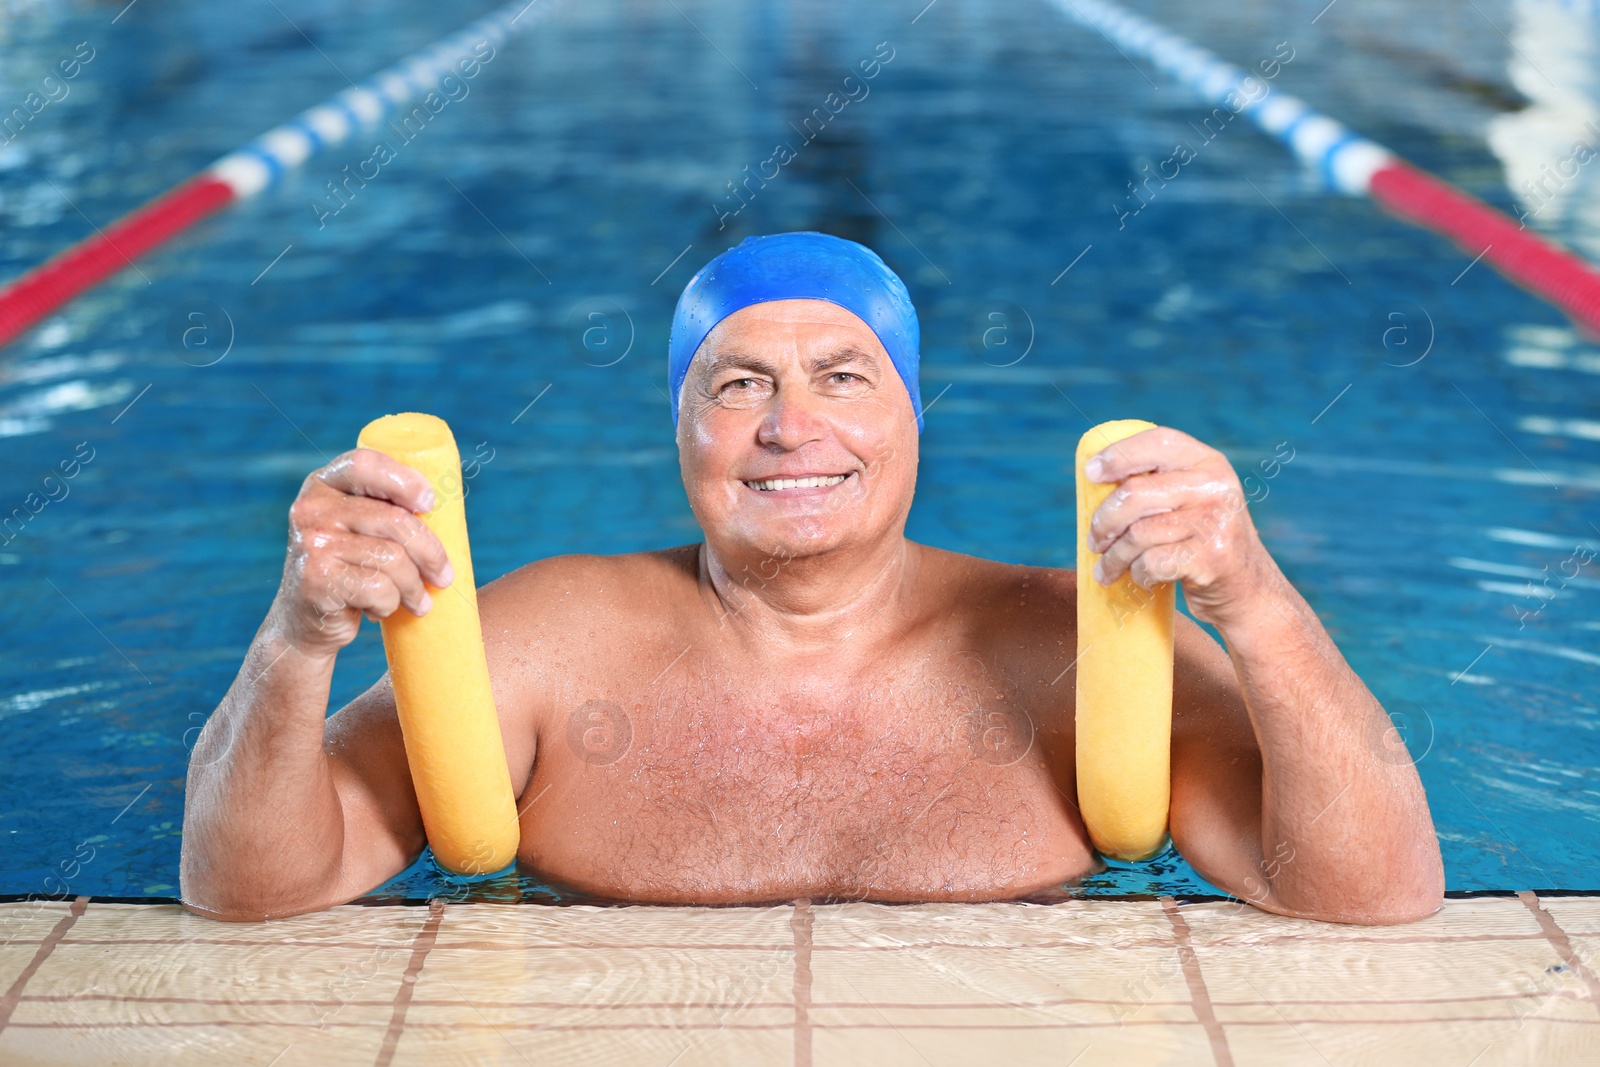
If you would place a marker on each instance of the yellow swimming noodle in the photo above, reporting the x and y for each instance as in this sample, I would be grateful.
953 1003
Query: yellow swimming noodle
441 675
1124 687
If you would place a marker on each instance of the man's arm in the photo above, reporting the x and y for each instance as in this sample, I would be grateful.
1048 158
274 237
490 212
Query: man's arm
1285 791
287 811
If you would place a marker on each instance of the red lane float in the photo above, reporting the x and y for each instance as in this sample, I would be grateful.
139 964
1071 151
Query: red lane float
1524 257
91 261
256 166
1357 166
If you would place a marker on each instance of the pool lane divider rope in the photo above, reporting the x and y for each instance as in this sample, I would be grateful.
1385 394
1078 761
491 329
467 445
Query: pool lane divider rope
1359 167
251 169
1353 164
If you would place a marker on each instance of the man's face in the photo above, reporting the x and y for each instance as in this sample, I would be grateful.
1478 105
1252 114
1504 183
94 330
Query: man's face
796 389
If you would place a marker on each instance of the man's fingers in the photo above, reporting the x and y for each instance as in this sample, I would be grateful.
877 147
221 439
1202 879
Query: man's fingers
1163 563
1158 448
1144 495
378 518
377 566
1152 533
370 574
364 472
356 546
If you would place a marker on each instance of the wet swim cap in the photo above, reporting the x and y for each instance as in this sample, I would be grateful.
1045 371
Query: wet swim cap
797 266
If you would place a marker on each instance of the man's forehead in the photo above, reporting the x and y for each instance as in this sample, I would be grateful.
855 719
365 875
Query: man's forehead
829 336
790 312
751 357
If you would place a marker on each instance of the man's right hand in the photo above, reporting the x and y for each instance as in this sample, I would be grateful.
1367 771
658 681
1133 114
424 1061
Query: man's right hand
356 546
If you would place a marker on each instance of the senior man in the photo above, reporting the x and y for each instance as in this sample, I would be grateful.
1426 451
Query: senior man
807 704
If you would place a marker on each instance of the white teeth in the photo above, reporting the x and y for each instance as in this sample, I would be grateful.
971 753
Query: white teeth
797 483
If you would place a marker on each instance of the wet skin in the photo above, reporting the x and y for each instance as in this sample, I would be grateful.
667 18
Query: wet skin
807 703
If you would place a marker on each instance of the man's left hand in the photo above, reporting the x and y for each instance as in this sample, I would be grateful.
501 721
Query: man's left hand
1180 514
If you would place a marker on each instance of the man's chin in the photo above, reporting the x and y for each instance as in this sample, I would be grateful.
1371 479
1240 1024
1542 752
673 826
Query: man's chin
791 540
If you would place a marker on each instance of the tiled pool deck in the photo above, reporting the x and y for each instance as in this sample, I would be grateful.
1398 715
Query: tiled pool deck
1488 980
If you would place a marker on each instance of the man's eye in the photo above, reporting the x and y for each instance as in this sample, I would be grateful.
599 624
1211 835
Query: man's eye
844 374
744 390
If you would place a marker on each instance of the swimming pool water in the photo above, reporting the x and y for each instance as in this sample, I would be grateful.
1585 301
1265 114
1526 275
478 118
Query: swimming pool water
1445 452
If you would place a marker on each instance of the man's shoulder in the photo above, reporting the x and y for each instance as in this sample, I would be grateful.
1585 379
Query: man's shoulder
1022 619
1010 585
589 580
587 566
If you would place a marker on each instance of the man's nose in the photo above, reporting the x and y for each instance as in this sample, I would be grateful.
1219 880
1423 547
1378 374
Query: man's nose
793 417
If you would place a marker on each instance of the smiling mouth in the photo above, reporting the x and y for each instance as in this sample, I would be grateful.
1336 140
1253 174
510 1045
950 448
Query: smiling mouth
813 481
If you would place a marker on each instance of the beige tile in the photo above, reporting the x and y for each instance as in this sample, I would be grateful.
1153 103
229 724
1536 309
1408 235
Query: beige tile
23 920
1556 1006
1107 924
1575 915
236 1046
203 980
1490 1043
1018 1046
1587 950
585 986
1223 923
448 1046
1084 962
168 923
1369 972
14 959
1050 984
23 926
517 925
1014 984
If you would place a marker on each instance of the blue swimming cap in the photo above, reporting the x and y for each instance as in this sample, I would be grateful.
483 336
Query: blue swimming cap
797 266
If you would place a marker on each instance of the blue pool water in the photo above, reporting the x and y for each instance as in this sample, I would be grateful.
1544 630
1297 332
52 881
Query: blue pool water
1442 424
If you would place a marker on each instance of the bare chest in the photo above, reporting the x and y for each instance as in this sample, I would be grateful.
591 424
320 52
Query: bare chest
712 788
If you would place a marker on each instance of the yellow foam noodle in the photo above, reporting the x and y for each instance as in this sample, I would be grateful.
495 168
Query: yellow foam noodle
441 675
1124 686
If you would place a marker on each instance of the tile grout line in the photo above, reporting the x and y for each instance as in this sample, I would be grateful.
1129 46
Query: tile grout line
408 981
13 996
801 922
1561 943
1200 997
